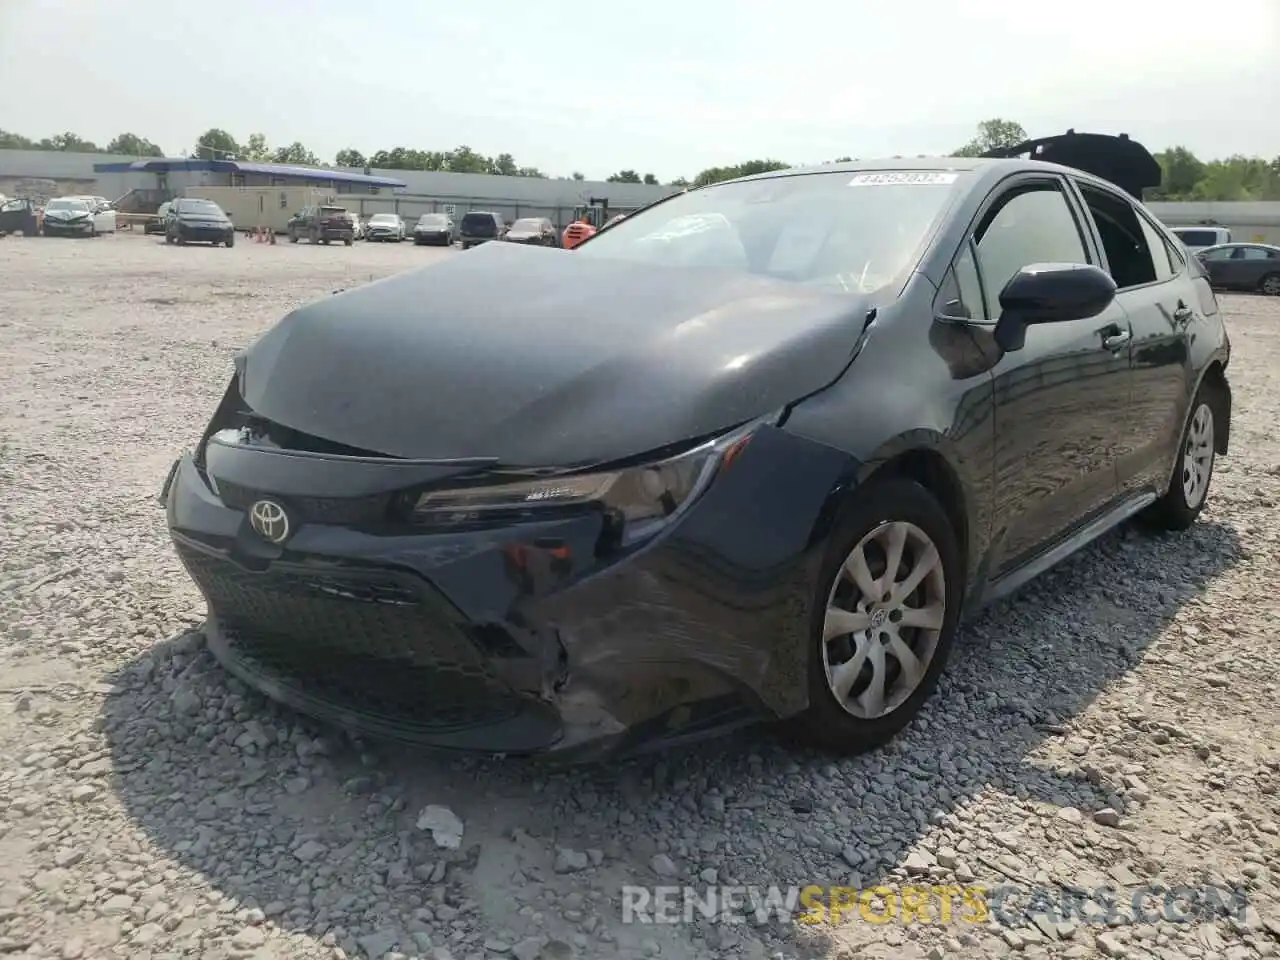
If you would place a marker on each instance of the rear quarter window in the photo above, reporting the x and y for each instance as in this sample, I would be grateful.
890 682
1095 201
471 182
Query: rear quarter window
1197 238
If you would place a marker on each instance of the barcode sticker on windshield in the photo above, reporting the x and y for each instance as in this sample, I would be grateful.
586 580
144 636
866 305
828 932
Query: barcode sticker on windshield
909 177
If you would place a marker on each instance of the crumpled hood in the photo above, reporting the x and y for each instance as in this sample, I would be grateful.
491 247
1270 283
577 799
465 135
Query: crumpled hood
67 215
542 357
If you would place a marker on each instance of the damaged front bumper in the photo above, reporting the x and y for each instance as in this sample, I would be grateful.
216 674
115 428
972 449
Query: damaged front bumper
517 640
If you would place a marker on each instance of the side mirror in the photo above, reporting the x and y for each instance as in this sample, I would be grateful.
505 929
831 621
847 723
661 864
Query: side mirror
1050 293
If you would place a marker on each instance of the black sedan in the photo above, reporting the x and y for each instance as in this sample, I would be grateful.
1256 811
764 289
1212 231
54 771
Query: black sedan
751 453
433 228
191 220
533 231
1250 267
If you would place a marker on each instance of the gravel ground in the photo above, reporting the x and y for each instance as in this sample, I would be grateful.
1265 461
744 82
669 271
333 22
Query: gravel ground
1115 724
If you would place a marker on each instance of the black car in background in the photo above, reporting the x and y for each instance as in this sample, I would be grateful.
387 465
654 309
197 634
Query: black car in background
322 224
1251 267
191 220
751 453
480 226
18 215
433 228
537 231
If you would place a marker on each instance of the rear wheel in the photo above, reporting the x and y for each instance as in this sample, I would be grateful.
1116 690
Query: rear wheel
293 236
1189 488
884 618
1270 285
349 241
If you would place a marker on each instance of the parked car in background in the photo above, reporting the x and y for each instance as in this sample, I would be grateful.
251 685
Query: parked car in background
158 224
1253 267
194 220
481 226
104 214
69 217
793 428
385 228
18 215
433 228
1196 239
321 224
535 231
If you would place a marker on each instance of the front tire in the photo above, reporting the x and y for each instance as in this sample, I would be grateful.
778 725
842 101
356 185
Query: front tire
883 618
231 240
349 241
1188 490
293 236
1270 285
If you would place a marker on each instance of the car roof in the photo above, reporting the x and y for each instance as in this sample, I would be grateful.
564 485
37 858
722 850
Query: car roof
1232 246
1117 160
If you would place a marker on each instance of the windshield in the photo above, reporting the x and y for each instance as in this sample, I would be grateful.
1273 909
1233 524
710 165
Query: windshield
847 231
526 226
383 218
333 211
78 206
205 207
432 220
479 224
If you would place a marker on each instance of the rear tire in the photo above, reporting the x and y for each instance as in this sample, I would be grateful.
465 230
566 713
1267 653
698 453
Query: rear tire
866 635
1270 285
293 236
349 241
1188 490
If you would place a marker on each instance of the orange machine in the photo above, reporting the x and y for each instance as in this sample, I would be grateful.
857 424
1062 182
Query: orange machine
576 232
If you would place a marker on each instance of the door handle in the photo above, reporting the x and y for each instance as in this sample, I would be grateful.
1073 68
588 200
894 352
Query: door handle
1114 341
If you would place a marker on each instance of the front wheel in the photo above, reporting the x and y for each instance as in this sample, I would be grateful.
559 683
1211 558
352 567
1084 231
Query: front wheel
293 236
231 240
349 241
1188 490
883 619
1270 285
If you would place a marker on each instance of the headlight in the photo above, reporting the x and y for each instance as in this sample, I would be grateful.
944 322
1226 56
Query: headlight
636 501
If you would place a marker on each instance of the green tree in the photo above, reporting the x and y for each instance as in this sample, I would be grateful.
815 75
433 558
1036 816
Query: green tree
69 143
296 153
256 149
679 182
992 134
650 179
504 165
624 176
465 160
748 169
578 175
15 141
533 172
133 145
216 144
350 157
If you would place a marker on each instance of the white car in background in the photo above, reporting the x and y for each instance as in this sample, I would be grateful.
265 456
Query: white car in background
385 228
104 215
1196 239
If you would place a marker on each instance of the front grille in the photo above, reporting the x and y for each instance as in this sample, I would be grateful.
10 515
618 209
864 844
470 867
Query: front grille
353 511
375 643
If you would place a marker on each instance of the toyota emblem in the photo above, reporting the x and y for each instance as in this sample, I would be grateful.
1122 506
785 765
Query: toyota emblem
269 521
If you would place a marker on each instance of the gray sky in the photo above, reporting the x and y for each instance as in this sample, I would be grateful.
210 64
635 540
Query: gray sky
667 87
